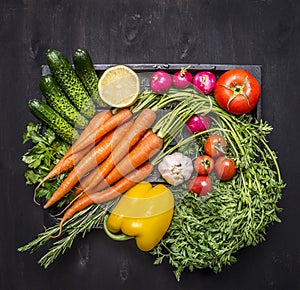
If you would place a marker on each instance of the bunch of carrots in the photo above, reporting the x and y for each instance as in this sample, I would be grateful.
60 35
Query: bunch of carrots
111 155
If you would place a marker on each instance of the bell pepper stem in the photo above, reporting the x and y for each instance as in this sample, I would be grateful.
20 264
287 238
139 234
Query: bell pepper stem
116 237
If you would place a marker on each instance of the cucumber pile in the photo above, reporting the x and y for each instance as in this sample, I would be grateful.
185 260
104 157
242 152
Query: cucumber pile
71 94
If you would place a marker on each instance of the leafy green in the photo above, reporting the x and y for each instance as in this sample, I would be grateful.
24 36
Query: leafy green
207 232
46 151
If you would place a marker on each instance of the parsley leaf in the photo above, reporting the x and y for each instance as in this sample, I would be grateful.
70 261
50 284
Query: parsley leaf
46 151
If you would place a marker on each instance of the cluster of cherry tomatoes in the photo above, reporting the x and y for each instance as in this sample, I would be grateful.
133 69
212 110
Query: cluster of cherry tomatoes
213 160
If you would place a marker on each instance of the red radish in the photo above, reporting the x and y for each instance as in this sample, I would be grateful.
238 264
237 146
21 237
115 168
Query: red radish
160 82
204 82
198 123
182 79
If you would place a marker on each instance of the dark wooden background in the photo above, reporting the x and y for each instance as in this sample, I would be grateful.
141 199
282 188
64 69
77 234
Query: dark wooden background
262 32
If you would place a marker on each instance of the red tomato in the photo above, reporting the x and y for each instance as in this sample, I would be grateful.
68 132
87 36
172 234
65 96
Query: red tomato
225 168
237 91
215 146
200 185
204 165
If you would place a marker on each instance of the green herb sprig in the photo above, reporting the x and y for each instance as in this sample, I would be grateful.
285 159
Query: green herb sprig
80 224
46 151
207 232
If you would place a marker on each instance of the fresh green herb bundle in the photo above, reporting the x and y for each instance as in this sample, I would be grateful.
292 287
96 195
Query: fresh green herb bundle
206 233
41 158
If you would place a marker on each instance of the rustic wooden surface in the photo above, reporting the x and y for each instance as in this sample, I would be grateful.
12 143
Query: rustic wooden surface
264 32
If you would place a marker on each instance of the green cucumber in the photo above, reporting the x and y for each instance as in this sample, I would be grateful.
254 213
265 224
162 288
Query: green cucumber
85 70
70 83
53 120
60 103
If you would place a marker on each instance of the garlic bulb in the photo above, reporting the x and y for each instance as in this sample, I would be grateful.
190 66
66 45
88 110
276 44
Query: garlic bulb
176 168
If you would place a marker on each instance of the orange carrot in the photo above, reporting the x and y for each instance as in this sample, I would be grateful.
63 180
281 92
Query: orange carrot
124 184
148 133
66 162
85 182
89 161
142 123
116 190
101 124
89 132
78 188
142 152
63 165
95 132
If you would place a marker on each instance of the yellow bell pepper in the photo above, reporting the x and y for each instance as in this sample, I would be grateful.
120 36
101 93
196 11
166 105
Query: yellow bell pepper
144 213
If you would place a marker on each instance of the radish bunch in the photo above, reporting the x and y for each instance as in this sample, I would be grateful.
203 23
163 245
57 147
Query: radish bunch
203 81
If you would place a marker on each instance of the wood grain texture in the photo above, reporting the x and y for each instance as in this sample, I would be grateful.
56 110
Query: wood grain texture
264 32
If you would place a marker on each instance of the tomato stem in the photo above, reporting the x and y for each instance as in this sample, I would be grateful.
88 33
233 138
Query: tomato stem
237 90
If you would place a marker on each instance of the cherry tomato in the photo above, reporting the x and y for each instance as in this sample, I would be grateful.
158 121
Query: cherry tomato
237 91
204 165
200 185
225 168
215 146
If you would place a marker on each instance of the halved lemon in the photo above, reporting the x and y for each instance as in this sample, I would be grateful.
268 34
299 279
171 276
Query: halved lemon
119 86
